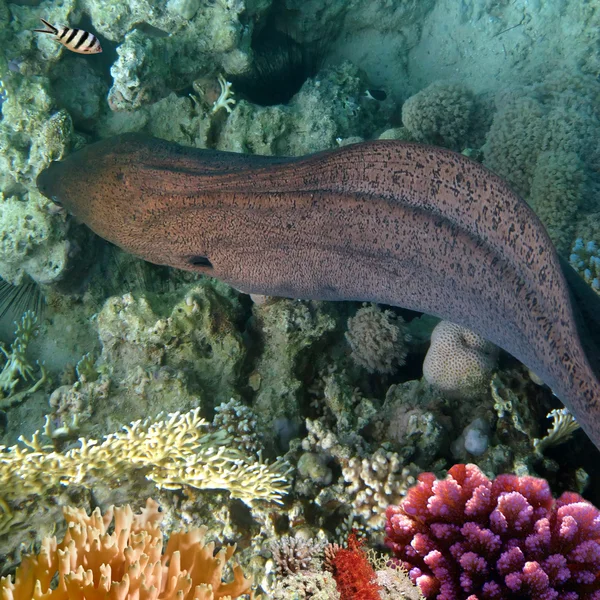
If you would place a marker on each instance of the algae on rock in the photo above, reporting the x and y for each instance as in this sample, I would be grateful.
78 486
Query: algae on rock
328 107
217 37
197 340
292 332
32 239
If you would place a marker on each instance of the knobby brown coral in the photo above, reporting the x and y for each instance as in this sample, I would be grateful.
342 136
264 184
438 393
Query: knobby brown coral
126 564
378 339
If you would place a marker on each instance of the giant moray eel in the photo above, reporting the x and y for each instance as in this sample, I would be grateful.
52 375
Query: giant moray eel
391 222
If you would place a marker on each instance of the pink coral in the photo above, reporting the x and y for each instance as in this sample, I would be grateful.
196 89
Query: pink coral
467 537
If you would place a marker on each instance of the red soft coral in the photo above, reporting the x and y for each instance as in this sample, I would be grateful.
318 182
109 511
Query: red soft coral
353 573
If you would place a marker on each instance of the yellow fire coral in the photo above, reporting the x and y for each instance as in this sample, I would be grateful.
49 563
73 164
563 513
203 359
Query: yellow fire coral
127 564
173 452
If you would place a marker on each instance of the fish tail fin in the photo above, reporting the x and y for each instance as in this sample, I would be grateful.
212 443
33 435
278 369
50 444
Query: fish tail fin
50 28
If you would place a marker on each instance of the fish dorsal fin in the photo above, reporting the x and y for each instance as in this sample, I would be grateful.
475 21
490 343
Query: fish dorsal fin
50 28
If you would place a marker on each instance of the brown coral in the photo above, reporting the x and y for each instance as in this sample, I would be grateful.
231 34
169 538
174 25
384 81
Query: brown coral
442 114
295 554
126 564
378 339
459 362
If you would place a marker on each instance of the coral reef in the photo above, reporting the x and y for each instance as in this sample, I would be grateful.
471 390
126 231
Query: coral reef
124 554
378 339
353 573
175 452
459 362
277 374
585 259
370 477
308 569
542 140
441 114
469 536
327 107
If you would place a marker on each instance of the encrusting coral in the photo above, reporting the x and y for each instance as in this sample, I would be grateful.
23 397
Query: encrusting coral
125 559
173 453
469 537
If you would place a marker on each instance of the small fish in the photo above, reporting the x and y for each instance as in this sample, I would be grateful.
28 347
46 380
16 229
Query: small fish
76 40
378 95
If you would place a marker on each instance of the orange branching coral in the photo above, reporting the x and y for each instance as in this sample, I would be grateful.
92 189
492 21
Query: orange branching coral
127 564
355 577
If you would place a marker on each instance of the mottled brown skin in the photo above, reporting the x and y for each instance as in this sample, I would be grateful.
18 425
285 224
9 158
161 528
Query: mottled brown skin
397 223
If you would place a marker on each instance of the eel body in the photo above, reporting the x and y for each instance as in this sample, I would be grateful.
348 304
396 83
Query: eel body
391 222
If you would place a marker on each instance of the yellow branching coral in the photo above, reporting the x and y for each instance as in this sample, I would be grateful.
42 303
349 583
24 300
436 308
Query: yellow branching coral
175 452
126 564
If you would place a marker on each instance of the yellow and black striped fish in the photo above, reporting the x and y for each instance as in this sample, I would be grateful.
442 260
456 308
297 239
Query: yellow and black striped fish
76 40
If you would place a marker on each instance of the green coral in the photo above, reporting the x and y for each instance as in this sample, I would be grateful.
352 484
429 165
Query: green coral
543 140
442 114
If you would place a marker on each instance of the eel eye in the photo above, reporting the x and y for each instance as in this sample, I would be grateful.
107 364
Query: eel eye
200 261
56 200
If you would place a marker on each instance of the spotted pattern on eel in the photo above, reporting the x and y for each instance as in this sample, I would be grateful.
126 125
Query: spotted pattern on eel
392 222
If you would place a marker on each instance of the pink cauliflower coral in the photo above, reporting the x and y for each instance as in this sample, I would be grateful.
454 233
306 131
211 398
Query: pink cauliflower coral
466 537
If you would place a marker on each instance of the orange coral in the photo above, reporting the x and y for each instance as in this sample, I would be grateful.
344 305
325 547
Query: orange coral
127 564
355 577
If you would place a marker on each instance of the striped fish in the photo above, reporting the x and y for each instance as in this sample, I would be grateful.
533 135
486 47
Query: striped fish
76 40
